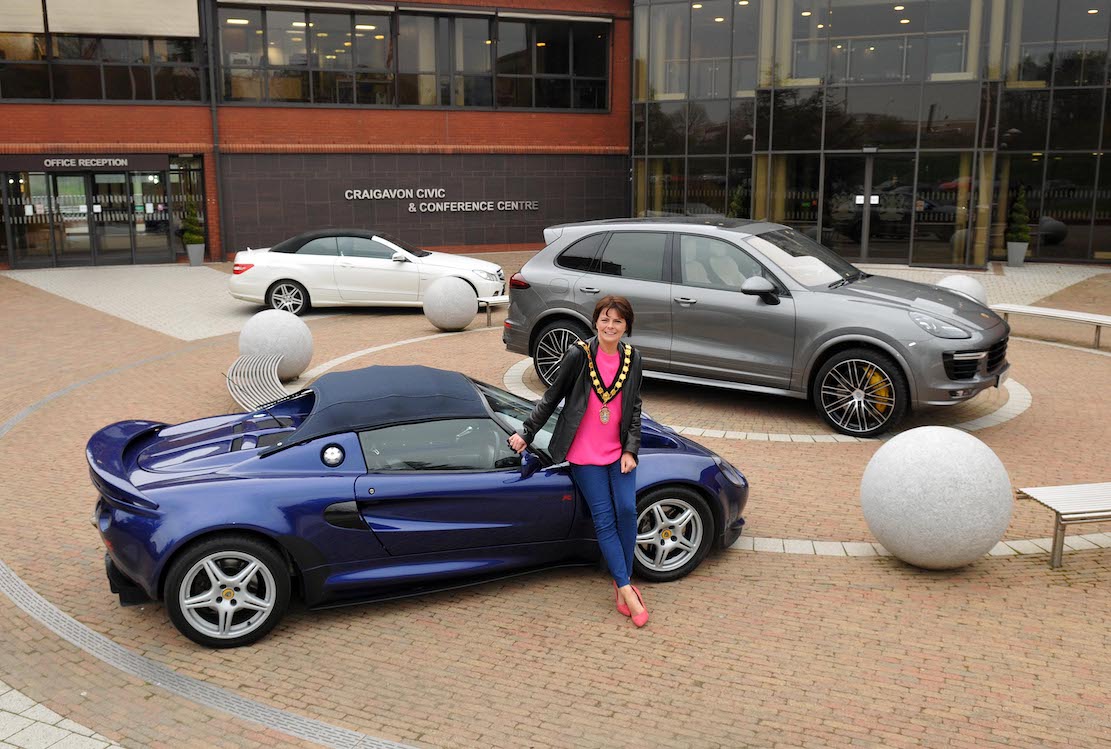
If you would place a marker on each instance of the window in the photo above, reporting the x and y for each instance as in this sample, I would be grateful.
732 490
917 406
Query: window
447 445
552 65
24 73
512 412
363 247
319 246
634 254
580 255
714 264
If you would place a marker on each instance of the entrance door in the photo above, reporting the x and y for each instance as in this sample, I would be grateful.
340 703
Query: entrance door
151 209
111 218
868 206
73 241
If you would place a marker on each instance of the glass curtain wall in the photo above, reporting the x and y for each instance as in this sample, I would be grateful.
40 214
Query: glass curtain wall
892 132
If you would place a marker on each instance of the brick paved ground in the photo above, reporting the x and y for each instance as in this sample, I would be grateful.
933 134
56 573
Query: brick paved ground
753 649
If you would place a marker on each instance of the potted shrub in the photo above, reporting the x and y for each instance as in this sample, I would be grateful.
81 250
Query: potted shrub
192 235
1018 231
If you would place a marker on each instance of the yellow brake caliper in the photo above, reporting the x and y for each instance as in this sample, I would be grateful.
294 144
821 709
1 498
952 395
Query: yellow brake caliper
884 392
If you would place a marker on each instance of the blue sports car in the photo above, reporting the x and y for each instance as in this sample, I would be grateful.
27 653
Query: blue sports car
372 484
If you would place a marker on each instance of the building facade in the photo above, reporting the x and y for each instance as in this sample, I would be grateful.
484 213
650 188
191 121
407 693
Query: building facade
471 127
891 130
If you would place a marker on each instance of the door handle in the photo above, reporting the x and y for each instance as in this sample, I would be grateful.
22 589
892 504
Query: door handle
686 301
346 265
589 289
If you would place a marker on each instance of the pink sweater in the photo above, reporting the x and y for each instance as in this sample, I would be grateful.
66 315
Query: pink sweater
595 443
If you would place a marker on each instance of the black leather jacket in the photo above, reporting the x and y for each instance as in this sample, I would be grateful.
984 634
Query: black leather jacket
572 384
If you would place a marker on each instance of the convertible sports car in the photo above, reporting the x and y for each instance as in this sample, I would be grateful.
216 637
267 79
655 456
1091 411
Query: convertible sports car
372 484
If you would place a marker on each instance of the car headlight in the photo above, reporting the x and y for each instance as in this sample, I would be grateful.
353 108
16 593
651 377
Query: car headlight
485 275
938 328
730 471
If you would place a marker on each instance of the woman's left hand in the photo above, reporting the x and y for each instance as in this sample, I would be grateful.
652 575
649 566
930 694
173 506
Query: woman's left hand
628 462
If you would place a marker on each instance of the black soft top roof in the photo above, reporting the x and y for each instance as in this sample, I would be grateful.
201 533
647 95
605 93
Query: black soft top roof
297 242
378 396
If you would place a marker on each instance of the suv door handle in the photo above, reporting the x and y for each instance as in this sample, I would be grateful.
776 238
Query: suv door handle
686 301
589 289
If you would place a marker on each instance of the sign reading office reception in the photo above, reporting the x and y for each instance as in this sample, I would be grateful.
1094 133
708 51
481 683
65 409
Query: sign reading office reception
432 200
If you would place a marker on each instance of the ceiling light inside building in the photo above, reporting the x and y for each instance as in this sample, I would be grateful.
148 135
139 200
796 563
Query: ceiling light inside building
299 24
329 57
1092 11
697 6
541 44
821 25
322 34
904 20
297 39
365 27
742 2
379 36
347 44
489 41
238 21
900 7
719 19
806 14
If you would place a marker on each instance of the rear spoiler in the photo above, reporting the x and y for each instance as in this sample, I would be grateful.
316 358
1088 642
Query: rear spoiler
552 233
105 453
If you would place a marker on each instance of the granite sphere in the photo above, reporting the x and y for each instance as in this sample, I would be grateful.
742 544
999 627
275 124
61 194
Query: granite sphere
450 303
936 497
966 285
275 332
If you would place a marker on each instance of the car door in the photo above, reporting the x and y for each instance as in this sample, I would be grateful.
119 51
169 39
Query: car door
454 484
633 264
313 266
367 273
720 333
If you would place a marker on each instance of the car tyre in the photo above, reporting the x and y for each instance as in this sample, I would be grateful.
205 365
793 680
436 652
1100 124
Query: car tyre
289 296
675 531
552 342
861 392
227 591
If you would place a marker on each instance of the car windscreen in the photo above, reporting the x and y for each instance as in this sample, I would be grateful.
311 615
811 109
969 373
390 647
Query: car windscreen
512 411
803 259
411 249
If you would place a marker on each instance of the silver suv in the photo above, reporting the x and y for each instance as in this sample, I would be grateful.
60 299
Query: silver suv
758 306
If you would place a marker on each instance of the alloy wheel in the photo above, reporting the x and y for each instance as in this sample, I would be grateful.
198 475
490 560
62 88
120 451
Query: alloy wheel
288 297
549 351
669 534
227 594
858 396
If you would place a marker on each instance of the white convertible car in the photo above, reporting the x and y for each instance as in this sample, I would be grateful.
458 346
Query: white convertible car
351 267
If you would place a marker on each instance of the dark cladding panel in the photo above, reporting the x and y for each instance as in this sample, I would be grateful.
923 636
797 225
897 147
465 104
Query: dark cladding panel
274 196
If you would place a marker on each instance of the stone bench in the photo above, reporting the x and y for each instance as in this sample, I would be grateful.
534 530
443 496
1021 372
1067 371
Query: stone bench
1075 503
1055 314
489 302
253 381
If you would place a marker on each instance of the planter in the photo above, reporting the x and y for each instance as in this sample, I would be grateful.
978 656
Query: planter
1016 253
196 253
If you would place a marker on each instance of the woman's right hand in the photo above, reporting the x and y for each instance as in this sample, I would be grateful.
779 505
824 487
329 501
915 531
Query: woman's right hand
517 443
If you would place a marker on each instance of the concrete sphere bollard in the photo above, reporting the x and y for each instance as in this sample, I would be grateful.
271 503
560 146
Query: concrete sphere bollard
450 303
936 497
275 332
966 285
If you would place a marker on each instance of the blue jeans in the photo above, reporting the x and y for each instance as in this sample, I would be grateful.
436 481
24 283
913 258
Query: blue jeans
611 496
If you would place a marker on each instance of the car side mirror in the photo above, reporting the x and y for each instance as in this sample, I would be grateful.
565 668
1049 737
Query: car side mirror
399 258
761 287
530 464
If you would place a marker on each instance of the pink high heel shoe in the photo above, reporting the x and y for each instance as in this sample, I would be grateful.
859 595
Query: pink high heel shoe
642 618
622 608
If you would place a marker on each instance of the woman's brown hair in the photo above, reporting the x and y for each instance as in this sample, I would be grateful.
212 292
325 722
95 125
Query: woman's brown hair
618 304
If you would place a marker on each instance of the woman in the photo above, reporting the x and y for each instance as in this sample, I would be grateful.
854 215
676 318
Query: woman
598 433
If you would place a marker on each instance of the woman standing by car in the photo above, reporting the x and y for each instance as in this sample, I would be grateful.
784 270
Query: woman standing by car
598 433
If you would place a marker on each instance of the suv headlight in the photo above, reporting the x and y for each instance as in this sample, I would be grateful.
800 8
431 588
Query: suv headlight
936 327
485 275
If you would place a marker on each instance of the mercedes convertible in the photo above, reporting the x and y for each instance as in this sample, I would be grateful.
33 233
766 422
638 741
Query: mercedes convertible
372 484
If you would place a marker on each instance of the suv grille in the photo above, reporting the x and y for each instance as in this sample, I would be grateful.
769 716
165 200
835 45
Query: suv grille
959 368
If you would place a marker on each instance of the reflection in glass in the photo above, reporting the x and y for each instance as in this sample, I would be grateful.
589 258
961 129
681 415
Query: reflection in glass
1016 172
1101 231
553 55
949 115
1030 42
706 188
29 213
72 241
669 55
186 194
638 129
240 40
289 85
152 217
710 42
801 42
742 125
796 119
589 94
667 127
374 88
640 52
177 84
843 210
24 81
110 211
332 88
373 42
707 127
891 206
514 92
941 208
665 187
1081 55
22 46
746 39
473 45
76 81
640 187
1023 118
793 199
591 44
873 43
1065 226
871 116
127 82
514 52
553 93
1074 122
740 188
330 35
949 50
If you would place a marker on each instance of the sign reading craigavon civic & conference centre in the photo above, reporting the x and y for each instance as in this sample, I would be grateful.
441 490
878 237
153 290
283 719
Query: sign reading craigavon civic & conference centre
432 200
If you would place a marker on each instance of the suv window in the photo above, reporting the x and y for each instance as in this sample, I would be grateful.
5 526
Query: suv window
446 445
635 254
363 247
714 264
580 255
319 246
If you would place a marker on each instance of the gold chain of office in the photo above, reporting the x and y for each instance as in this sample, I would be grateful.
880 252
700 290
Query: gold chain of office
596 381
